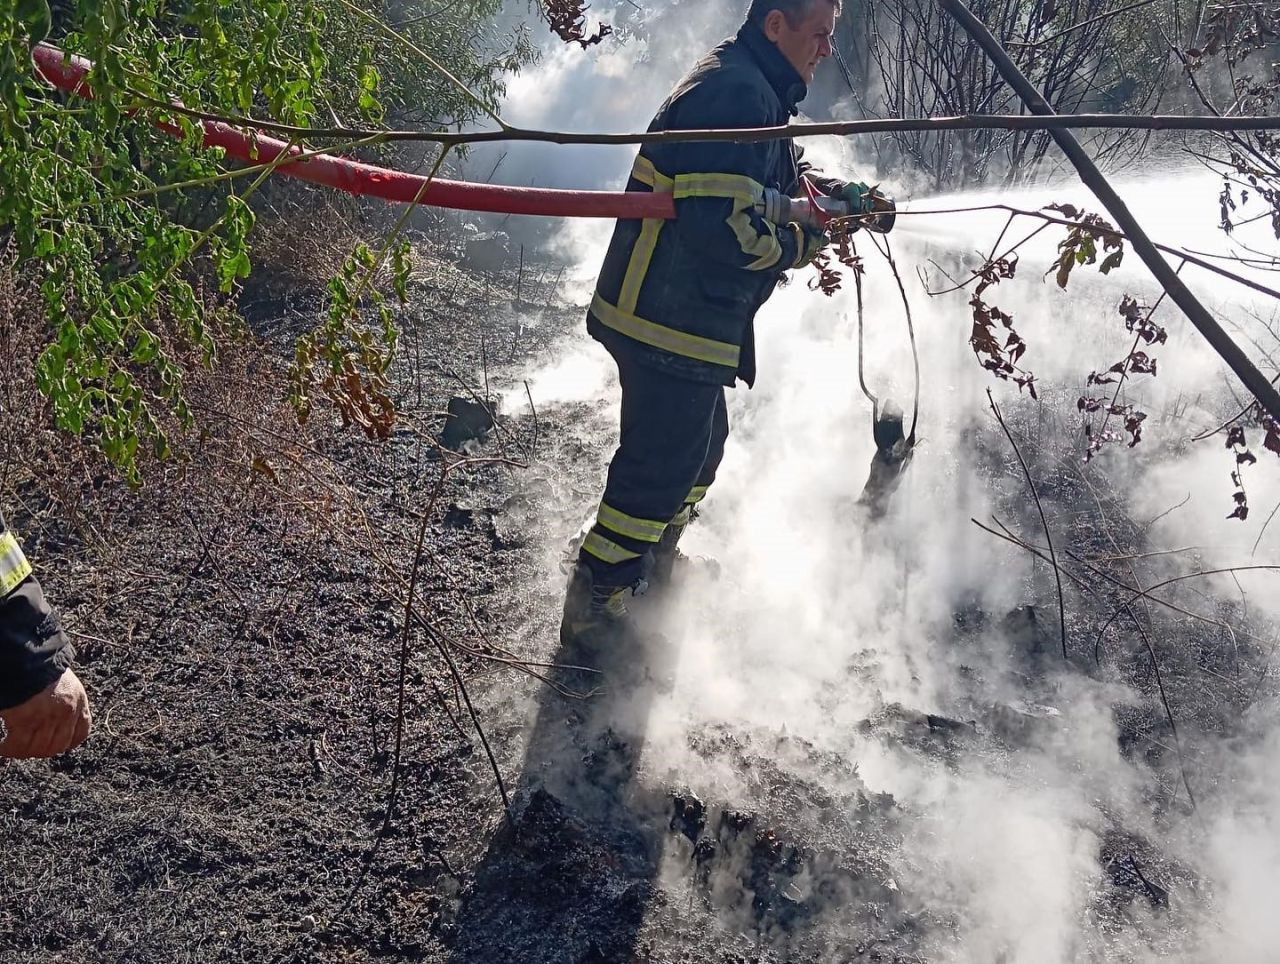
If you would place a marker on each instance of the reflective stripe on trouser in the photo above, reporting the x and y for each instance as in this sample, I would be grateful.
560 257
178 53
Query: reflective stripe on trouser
672 440
696 495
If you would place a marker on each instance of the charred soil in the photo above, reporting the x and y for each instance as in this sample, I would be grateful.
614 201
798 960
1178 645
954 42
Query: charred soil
240 622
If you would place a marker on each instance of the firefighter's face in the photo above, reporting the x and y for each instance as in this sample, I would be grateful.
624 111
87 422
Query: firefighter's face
807 43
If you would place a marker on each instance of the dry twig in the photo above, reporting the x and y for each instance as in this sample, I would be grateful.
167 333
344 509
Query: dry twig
1026 471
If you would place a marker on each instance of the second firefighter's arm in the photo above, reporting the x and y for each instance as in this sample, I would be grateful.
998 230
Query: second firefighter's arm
43 705
34 652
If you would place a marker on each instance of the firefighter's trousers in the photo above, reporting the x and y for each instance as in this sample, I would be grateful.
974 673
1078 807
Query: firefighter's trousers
672 439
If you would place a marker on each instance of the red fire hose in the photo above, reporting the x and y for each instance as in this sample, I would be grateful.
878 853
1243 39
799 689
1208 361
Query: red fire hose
354 177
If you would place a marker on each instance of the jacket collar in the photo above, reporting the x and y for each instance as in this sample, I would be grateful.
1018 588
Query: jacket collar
783 78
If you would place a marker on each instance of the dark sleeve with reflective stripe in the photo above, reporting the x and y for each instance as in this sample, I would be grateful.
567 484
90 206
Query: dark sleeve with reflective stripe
33 649
717 183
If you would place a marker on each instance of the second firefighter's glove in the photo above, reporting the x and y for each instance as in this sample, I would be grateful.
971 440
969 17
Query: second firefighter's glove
809 242
858 196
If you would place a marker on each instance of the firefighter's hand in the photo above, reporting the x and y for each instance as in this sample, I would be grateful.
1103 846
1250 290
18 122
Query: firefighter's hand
809 242
55 720
859 197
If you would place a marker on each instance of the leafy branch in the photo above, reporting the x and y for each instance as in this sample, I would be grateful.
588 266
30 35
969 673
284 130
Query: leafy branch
1081 243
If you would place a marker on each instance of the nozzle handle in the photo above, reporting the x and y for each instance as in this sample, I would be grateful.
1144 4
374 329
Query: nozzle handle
780 209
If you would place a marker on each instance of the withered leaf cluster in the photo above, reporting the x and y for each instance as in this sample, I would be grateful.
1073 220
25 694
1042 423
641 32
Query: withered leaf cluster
1137 320
567 19
1238 443
361 399
993 338
1096 438
1239 446
829 277
1237 30
1244 34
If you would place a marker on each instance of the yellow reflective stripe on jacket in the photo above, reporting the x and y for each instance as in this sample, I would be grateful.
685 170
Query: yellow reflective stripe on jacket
660 336
696 494
642 254
13 564
681 518
638 265
766 247
644 172
745 193
606 550
646 530
737 186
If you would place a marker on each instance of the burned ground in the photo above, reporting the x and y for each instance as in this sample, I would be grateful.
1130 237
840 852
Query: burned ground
239 623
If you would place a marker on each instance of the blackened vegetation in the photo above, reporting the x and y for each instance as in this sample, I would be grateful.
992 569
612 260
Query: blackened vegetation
567 19
1198 667
809 866
240 643
468 421
237 631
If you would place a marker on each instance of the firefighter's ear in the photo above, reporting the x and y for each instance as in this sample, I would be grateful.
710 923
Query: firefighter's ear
775 22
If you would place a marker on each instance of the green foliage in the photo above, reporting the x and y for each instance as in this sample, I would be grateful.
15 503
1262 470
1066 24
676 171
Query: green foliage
1081 243
123 260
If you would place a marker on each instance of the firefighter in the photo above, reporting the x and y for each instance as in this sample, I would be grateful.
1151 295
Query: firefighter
42 702
675 301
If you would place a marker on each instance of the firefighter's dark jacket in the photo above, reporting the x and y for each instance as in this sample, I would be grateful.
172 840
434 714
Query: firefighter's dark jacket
33 649
683 294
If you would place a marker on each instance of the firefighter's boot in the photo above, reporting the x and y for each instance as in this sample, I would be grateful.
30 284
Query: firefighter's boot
595 618
669 563
598 634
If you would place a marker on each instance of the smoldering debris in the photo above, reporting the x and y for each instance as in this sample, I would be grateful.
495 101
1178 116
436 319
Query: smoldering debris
803 869
915 725
469 420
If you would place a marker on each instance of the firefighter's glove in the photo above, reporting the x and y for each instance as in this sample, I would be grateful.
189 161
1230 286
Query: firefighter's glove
859 197
809 242
55 720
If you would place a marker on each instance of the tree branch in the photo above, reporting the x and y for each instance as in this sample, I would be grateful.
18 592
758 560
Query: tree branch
1231 353
752 135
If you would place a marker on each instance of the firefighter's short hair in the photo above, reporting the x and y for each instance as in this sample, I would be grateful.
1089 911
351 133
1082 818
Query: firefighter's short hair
794 10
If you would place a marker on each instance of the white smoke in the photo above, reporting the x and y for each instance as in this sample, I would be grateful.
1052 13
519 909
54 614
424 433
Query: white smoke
821 621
